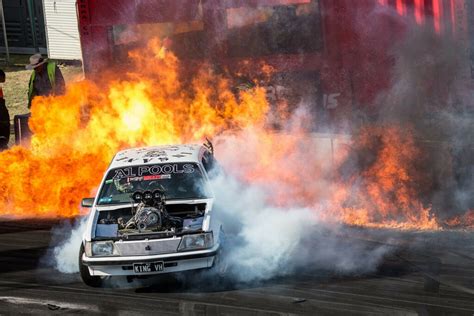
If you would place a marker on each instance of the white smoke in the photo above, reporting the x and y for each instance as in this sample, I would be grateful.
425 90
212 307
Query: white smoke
265 240
66 255
260 238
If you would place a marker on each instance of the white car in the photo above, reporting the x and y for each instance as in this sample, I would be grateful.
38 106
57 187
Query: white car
153 214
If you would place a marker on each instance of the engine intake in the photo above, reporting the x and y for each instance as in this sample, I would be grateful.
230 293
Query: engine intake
151 213
148 218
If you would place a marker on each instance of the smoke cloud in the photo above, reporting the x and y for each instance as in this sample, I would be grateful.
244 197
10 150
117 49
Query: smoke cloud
65 255
264 241
430 93
260 238
274 200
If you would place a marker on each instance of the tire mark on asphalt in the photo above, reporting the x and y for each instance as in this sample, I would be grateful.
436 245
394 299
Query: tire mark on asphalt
115 295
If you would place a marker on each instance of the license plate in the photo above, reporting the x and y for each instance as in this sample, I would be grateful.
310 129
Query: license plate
147 267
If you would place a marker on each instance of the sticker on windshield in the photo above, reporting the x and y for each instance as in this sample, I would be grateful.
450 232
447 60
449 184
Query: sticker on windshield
157 177
165 169
152 170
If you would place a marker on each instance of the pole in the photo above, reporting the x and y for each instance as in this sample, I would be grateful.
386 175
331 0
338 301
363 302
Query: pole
4 32
31 11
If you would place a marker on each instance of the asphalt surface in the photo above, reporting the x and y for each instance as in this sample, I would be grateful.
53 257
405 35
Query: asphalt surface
434 276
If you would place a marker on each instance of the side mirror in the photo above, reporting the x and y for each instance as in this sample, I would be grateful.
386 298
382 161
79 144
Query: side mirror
87 202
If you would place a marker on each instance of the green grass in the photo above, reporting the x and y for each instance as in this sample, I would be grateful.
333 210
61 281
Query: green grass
15 88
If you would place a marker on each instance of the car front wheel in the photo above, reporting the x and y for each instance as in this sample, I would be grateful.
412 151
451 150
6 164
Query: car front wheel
94 281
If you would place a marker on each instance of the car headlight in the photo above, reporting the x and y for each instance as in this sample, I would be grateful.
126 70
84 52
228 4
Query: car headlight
103 248
196 241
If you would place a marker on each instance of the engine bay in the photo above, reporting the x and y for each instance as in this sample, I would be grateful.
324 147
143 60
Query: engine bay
151 215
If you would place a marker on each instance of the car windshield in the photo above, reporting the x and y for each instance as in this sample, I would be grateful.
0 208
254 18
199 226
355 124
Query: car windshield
177 180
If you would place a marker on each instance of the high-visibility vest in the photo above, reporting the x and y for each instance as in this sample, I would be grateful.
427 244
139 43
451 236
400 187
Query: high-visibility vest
51 70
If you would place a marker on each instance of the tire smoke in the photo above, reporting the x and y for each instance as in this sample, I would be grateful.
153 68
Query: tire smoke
65 255
272 232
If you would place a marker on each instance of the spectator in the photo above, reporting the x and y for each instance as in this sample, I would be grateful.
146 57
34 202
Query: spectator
4 117
46 78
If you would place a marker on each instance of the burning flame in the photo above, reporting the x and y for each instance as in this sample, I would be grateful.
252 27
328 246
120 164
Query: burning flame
463 221
386 186
76 135
370 180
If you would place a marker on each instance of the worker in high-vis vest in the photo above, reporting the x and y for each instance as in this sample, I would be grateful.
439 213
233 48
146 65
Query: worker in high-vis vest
46 78
4 117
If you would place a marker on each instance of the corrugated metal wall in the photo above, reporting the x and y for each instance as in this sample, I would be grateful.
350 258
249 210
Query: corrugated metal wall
19 33
61 29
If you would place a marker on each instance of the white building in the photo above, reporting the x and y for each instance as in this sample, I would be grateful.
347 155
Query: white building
62 32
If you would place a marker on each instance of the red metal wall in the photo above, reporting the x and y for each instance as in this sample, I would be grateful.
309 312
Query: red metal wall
355 63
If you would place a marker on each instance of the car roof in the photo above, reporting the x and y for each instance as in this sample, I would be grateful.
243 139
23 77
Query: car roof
157 155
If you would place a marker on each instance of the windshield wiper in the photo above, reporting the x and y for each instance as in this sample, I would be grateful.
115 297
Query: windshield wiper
112 202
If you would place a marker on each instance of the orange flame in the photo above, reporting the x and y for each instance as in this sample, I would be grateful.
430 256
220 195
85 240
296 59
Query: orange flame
371 180
462 221
377 188
76 135
387 192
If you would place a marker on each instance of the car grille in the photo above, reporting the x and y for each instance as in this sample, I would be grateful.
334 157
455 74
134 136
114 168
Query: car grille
150 247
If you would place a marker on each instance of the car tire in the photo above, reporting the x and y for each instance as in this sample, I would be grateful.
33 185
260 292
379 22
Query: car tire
220 264
87 278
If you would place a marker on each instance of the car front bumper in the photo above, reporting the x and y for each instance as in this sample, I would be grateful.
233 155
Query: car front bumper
173 262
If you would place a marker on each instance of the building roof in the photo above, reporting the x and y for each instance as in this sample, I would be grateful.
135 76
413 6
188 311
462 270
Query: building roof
157 155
